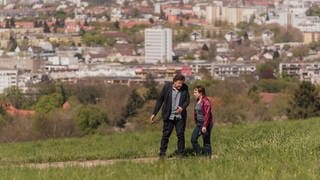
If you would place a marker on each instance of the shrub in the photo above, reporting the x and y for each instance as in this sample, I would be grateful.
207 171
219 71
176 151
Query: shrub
49 102
274 85
90 118
305 102
55 124
135 101
16 129
87 93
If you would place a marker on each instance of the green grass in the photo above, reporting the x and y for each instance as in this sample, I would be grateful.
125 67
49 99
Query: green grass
271 150
191 168
127 145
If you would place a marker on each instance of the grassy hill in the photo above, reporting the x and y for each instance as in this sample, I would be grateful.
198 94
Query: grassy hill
271 150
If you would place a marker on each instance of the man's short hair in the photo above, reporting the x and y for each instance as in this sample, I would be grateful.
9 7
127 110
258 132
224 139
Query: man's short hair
178 77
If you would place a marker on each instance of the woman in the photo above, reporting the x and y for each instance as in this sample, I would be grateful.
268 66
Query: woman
203 120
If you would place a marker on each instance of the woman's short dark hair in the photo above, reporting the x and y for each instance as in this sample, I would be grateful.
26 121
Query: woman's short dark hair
178 77
201 90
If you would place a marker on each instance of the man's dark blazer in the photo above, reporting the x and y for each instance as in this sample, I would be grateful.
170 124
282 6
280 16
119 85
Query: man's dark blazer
165 100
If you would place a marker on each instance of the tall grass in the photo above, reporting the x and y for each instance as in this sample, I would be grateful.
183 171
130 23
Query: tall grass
272 150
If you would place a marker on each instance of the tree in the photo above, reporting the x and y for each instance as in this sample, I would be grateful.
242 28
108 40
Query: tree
182 36
285 34
305 102
36 23
314 45
243 51
135 13
243 25
94 38
205 73
135 101
46 28
205 48
79 56
60 14
266 71
12 44
63 93
87 94
162 14
212 51
151 85
181 22
86 22
116 25
110 41
90 118
7 26
60 22
12 22
15 96
313 11
151 21
55 28
25 41
82 31
300 51
273 85
48 103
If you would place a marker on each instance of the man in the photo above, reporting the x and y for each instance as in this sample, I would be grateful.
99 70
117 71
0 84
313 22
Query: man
174 99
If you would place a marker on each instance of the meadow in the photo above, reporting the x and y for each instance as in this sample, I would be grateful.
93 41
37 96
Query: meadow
267 150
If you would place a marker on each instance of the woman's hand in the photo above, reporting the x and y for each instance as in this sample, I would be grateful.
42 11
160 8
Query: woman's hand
204 130
152 119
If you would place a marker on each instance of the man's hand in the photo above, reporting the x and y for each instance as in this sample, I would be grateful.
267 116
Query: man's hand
152 118
179 110
204 130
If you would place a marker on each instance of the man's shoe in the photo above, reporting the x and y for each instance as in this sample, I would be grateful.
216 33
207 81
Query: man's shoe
180 156
162 155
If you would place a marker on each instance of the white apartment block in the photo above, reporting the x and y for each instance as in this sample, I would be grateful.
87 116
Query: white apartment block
8 78
294 15
62 63
158 45
222 71
3 2
305 71
233 15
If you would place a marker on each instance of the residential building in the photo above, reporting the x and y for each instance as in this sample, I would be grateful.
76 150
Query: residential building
233 15
158 45
222 71
291 69
3 2
8 78
21 63
310 29
304 71
62 63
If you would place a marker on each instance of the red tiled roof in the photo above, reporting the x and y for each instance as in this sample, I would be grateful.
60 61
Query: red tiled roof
66 106
11 110
132 23
124 49
268 97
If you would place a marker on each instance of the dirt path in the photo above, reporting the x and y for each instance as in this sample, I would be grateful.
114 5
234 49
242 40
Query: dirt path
88 163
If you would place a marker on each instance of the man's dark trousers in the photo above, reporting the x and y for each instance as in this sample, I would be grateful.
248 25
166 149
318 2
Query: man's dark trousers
168 125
